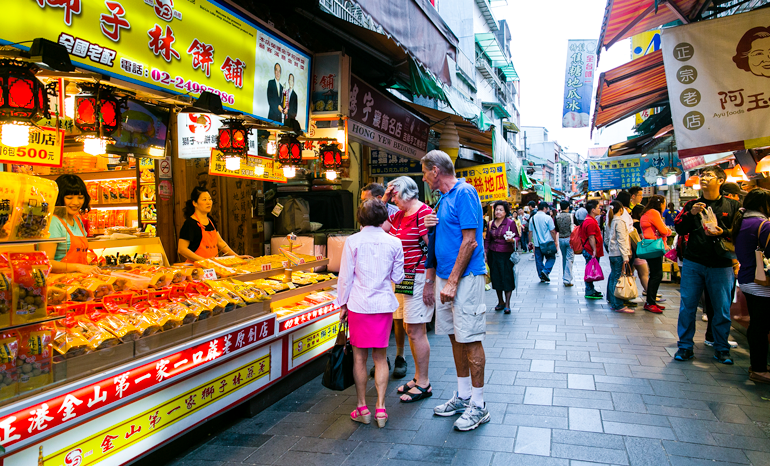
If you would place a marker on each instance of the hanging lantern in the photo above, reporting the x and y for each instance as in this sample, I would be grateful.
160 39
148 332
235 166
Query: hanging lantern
289 150
341 133
97 110
23 100
739 174
763 165
692 181
233 138
331 156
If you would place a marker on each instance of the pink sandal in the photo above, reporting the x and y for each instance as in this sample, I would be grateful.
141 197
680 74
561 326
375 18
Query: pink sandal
381 420
358 415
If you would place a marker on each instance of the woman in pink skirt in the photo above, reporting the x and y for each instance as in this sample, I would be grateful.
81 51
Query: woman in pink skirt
371 260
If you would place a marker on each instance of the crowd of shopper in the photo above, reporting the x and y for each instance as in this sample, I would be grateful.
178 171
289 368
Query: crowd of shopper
415 263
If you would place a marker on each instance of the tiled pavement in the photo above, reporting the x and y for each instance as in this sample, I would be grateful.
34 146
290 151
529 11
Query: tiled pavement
567 383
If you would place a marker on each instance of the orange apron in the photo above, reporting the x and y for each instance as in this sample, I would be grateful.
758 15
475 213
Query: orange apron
208 247
78 251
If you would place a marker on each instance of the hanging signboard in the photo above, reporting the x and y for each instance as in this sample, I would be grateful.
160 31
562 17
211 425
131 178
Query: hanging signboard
628 171
330 84
178 47
489 180
44 149
382 163
579 83
641 45
717 74
378 121
273 171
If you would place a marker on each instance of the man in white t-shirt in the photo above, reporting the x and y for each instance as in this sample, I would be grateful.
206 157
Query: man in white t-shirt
543 231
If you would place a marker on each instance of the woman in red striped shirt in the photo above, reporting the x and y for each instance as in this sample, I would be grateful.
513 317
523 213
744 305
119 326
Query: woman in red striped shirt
415 302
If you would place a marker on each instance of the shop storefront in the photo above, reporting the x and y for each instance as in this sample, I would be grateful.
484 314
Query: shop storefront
106 365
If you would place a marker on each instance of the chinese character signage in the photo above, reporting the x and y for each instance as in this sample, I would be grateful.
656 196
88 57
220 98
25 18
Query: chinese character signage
718 73
99 447
197 134
378 121
627 171
382 163
330 83
44 148
182 47
490 181
579 83
641 45
273 171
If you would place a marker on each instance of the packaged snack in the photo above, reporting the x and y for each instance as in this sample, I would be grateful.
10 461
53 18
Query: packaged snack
190 309
56 295
120 218
67 340
93 190
30 273
116 324
192 273
159 306
68 284
220 270
177 276
96 287
34 207
105 189
7 297
220 290
9 197
120 303
249 293
35 354
9 349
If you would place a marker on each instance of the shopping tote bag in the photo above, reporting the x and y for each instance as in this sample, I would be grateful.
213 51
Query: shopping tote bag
339 368
626 286
593 271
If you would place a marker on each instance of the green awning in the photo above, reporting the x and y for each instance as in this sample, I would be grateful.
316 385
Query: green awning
424 84
483 123
509 72
498 108
491 47
524 179
511 126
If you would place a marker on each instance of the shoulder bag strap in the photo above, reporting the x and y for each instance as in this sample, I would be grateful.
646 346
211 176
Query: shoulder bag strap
759 233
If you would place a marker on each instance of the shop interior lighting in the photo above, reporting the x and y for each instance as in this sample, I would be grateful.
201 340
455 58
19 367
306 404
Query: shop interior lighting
23 100
270 147
259 170
331 175
233 162
696 186
94 145
233 138
692 181
739 174
289 150
341 133
660 181
200 129
289 171
117 207
69 101
157 152
763 166
672 179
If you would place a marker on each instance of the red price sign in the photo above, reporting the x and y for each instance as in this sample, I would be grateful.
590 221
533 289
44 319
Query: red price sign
209 274
266 267
319 258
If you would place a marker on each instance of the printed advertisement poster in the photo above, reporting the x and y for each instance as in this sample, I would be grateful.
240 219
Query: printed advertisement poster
180 47
718 73
579 83
329 83
489 180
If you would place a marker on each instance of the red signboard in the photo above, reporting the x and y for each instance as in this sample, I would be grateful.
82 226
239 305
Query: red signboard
306 317
73 406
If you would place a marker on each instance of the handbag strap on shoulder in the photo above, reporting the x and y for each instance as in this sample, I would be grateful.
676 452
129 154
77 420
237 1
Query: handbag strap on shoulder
759 232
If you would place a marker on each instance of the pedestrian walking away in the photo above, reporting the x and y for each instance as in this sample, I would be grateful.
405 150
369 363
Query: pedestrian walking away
565 224
545 238
706 263
371 260
593 244
415 300
460 269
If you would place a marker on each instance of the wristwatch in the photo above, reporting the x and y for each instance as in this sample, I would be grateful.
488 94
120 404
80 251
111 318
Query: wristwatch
429 281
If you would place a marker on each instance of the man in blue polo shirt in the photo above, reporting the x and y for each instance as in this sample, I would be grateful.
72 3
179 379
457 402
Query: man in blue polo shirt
460 277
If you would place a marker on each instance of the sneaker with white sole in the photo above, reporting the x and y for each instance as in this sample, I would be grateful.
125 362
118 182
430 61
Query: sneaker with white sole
454 406
473 417
733 344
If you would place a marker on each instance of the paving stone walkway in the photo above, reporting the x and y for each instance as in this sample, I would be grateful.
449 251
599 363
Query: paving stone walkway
568 382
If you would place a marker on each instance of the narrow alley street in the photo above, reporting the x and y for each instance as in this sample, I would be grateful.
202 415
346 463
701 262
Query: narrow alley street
568 382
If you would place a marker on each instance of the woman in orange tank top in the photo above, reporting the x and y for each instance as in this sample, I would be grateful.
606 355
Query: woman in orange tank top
199 238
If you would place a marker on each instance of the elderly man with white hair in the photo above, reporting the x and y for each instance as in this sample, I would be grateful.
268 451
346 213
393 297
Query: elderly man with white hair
460 280
415 300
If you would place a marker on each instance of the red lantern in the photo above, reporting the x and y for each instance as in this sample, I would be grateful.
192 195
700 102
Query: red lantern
233 138
289 150
331 157
90 115
23 98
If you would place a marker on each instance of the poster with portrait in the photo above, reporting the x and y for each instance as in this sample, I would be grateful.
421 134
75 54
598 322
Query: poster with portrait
718 76
281 81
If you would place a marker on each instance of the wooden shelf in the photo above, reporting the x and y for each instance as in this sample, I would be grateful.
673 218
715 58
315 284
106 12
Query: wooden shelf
105 175
22 242
257 275
121 243
300 290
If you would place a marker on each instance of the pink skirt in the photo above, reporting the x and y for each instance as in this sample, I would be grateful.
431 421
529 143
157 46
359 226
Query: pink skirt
370 330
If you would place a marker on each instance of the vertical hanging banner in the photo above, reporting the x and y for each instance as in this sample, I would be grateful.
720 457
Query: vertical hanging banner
718 74
641 45
579 83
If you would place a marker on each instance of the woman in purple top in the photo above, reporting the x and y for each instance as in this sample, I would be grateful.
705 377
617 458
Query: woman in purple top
498 249
751 230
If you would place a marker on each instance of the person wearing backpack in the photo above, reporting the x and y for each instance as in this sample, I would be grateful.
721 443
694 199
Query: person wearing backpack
593 244
544 237
564 225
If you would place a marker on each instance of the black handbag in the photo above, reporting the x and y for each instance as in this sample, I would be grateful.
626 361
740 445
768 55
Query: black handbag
339 368
549 248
